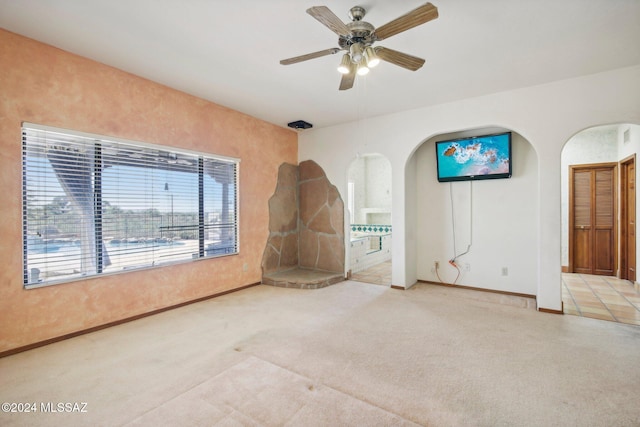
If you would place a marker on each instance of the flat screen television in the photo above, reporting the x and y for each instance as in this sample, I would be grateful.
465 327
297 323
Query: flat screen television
478 157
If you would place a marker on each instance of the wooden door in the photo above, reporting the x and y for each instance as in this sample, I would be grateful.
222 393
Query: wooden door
592 219
628 218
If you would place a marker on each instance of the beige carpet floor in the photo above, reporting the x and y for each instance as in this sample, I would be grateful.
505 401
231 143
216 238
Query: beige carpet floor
349 354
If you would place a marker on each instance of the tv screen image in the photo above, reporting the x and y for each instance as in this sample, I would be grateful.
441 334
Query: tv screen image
479 157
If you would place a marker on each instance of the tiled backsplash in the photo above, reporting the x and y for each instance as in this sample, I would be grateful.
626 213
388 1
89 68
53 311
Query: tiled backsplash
370 228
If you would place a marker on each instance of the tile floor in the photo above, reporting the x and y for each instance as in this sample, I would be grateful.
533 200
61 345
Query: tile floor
598 297
601 297
379 274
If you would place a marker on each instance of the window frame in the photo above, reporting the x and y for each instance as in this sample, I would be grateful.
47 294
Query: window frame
98 141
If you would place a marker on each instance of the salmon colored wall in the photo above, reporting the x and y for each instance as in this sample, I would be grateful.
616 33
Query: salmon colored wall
42 84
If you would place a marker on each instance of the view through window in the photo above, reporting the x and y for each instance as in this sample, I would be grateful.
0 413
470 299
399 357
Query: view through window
95 205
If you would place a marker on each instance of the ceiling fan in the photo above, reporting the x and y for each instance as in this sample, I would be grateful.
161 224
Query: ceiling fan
357 38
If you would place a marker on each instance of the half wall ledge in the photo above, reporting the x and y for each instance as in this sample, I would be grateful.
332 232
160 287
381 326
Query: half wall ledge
302 278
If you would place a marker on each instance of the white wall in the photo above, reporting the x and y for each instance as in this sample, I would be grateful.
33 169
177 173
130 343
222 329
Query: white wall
379 189
357 175
545 115
371 175
494 219
632 146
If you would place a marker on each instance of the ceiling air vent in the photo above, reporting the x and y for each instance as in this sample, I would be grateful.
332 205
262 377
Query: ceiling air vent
300 124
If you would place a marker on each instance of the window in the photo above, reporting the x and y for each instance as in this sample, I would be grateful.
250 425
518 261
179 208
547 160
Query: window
95 205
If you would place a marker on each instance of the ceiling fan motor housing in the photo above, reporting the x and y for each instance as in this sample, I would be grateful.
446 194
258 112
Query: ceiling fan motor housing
356 13
361 31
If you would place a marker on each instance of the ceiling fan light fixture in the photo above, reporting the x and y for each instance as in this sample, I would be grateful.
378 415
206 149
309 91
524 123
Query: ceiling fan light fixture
363 70
356 51
345 64
372 58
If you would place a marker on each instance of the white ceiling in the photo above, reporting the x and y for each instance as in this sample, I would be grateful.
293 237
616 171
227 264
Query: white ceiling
228 51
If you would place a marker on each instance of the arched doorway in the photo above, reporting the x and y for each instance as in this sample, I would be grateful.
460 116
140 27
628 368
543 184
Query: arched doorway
369 202
598 223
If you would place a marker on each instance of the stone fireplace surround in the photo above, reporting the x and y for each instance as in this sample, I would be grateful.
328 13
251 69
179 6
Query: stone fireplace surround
305 248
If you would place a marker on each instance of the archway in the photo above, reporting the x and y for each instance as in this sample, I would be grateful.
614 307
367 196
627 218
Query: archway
369 202
598 223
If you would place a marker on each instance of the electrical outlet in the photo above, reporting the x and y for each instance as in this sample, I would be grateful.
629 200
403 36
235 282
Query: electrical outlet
434 267
505 271
467 267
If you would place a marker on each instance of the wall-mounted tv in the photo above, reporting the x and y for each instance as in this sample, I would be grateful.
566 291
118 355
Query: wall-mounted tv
478 157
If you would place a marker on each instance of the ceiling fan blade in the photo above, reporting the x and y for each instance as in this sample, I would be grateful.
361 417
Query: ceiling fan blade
348 79
329 20
308 56
398 58
417 16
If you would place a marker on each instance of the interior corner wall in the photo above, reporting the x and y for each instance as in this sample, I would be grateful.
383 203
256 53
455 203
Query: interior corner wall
42 84
546 115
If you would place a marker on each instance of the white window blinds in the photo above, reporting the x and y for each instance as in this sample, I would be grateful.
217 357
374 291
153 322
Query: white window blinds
96 205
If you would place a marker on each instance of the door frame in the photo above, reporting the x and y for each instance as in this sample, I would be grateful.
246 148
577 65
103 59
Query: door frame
624 195
571 208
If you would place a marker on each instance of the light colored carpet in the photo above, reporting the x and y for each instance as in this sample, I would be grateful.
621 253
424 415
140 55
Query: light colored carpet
256 392
348 354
